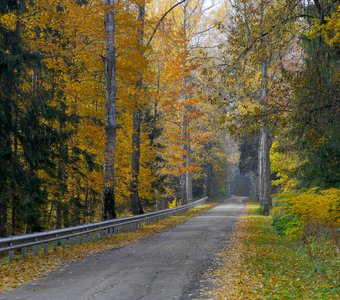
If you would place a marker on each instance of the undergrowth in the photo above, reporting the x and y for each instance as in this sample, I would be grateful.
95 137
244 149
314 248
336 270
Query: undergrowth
258 263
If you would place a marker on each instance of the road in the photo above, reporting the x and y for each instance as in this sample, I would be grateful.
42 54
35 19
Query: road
167 266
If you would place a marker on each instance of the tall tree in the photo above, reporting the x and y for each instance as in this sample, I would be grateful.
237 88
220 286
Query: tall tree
265 139
27 125
111 122
136 206
186 177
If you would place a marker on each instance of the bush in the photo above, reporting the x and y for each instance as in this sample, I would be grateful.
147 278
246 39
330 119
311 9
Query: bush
310 215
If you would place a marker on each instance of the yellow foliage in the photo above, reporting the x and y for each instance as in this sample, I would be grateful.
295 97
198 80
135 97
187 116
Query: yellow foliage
172 203
311 211
330 30
284 164
8 21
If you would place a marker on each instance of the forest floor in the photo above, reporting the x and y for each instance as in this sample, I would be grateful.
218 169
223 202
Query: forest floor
165 263
257 263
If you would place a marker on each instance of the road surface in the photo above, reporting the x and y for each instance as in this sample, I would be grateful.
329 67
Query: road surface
168 266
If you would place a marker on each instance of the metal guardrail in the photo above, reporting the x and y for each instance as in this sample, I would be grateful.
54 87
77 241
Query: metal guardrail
83 233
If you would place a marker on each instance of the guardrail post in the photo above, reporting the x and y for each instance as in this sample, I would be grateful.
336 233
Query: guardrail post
35 250
54 245
45 248
83 234
11 254
24 252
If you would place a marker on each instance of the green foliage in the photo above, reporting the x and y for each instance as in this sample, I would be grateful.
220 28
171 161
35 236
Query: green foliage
260 264
27 134
314 134
311 216
287 224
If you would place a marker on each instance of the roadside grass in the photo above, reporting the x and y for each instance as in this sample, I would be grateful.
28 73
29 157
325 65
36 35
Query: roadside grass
20 271
260 264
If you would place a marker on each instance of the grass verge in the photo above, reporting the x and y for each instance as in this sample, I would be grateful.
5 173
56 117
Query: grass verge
18 272
259 264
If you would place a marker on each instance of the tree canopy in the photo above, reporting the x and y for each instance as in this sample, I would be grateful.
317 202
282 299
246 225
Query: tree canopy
110 108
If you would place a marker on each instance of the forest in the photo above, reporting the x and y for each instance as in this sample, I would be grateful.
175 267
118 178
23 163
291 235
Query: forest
119 107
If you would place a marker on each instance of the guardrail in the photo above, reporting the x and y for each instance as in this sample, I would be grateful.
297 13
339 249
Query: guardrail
83 233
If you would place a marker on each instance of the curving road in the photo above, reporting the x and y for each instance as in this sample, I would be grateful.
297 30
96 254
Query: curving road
168 266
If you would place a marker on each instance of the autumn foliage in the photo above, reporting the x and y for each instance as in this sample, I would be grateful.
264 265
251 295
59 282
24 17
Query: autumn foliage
62 64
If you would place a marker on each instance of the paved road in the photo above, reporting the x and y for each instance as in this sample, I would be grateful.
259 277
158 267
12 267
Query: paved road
168 266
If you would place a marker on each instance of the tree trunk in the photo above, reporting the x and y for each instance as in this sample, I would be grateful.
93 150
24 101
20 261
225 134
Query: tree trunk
266 201
183 189
3 219
136 206
206 179
188 173
229 178
209 181
260 170
58 217
63 154
109 209
265 145
15 203
186 185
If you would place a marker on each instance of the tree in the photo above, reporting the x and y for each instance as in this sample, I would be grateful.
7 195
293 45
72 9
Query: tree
259 36
313 135
111 122
136 206
27 125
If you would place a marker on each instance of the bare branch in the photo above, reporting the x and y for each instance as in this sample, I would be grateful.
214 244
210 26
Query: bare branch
161 20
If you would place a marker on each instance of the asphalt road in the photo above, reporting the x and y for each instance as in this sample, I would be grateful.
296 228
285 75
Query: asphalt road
168 266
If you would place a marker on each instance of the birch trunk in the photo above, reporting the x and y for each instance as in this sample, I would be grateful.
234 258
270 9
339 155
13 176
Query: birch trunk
186 181
136 206
260 170
188 173
265 144
266 193
111 122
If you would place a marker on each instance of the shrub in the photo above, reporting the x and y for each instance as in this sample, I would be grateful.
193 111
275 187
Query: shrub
312 216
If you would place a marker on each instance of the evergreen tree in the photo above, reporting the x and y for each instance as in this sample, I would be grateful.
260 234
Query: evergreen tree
26 129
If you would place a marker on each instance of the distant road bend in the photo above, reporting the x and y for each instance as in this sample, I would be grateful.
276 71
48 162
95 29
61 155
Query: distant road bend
168 266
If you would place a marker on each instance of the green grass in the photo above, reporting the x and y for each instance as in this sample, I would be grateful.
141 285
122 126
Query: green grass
285 269
258 263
